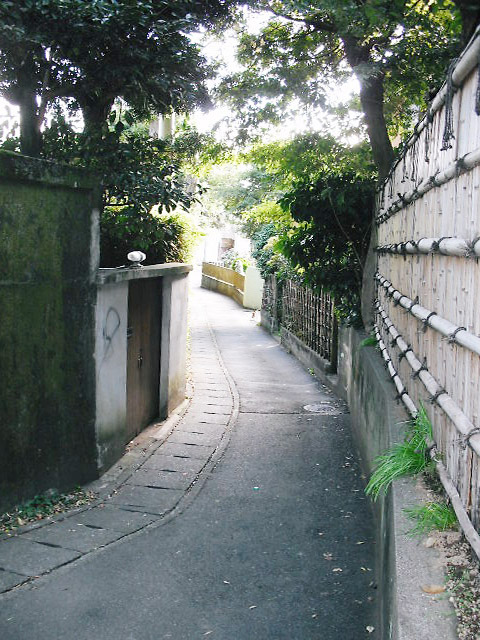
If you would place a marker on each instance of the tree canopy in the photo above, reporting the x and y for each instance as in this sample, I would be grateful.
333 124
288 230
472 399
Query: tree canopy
397 49
92 53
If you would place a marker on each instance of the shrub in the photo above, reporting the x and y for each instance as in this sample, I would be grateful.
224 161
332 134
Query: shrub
231 259
329 241
168 237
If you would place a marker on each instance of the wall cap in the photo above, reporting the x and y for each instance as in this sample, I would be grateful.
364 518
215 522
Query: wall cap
112 276
15 166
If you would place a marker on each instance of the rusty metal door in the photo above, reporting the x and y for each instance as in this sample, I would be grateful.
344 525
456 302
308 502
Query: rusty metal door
143 356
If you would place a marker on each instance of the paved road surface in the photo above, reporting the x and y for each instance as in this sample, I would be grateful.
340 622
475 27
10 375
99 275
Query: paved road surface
248 522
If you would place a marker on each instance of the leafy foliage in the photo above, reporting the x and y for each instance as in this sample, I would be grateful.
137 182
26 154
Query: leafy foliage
260 253
164 238
231 259
407 458
329 241
135 168
397 50
96 52
141 177
269 260
306 204
43 505
371 341
308 155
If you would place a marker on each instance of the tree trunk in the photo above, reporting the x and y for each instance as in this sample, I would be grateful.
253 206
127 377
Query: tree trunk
371 98
470 12
372 101
30 134
95 114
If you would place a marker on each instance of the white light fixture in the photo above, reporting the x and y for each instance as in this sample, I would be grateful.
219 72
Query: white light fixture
136 258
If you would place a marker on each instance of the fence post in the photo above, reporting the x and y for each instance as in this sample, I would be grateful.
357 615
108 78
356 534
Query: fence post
334 346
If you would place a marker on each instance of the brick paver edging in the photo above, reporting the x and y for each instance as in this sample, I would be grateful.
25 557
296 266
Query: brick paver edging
152 491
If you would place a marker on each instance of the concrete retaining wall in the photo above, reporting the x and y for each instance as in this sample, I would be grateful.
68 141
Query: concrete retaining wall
404 564
245 289
302 352
63 333
225 281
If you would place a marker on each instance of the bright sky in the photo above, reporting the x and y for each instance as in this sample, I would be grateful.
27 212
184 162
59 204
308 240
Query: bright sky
9 115
223 51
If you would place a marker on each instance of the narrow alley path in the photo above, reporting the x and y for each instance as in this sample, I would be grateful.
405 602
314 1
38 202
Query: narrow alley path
267 535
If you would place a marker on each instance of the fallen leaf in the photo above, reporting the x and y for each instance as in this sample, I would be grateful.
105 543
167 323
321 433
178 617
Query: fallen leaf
433 588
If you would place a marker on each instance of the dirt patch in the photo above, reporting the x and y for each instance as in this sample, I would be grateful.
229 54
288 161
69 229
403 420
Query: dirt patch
463 580
44 506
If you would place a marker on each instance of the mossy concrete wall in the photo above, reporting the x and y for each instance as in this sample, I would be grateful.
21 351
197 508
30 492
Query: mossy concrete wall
49 255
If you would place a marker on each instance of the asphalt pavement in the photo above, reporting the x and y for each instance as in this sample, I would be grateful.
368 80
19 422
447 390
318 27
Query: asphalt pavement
244 518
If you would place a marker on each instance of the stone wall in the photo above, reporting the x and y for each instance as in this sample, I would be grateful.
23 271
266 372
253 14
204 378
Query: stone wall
49 251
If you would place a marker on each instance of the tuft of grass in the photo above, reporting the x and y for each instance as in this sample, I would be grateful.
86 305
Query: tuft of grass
371 341
44 505
404 459
431 516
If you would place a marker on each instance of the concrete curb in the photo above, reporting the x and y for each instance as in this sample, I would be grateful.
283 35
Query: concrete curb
18 558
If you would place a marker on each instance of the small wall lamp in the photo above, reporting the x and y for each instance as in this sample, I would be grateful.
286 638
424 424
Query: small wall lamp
136 258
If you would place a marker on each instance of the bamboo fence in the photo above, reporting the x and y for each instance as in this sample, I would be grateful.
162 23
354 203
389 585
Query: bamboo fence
428 278
311 318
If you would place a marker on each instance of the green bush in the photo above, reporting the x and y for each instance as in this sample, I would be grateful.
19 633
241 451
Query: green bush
231 259
168 237
270 261
329 241
141 176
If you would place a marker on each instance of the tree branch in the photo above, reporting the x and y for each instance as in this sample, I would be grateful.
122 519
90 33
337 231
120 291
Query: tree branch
319 24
